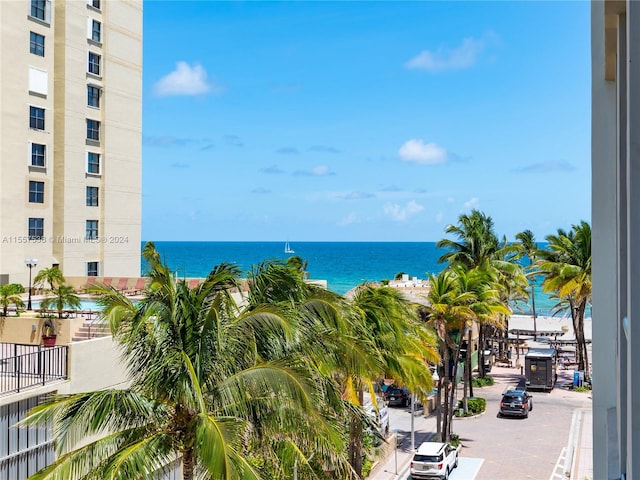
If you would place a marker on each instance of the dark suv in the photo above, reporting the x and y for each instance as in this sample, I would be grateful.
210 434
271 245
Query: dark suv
397 397
517 403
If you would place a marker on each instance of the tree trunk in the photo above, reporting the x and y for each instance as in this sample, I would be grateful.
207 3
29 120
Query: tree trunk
470 366
439 412
481 334
188 465
465 382
533 308
584 366
451 406
355 443
576 332
447 379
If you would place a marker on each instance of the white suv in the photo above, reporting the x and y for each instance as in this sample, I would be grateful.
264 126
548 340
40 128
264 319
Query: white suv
434 460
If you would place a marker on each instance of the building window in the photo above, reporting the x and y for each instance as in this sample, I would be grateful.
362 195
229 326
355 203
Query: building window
36 192
36 44
38 155
92 196
92 269
39 10
94 3
93 96
36 118
93 163
36 228
92 230
94 63
93 130
96 29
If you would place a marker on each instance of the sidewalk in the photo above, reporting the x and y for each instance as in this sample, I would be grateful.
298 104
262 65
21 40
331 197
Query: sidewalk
582 467
397 462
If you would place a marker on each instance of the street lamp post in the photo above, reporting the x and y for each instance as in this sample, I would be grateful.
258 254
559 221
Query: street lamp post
30 262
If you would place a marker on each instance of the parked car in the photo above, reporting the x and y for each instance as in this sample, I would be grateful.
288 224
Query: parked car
380 417
516 403
434 460
397 397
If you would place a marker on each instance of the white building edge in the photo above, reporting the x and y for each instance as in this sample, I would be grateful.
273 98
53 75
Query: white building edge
615 49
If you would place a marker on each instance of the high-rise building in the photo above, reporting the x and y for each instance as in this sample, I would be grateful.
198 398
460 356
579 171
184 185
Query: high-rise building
70 137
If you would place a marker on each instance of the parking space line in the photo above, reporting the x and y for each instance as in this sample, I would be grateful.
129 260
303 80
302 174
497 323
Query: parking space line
558 470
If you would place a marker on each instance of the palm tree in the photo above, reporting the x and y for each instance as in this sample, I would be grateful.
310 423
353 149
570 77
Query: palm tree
488 310
477 247
10 295
211 384
62 297
566 266
52 275
449 313
402 346
476 241
529 247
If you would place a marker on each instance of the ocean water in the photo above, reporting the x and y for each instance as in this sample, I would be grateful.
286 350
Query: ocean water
343 265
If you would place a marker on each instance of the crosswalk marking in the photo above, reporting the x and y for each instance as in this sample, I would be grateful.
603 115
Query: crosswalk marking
558 470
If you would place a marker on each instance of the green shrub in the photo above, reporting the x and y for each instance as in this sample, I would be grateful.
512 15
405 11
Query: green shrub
581 389
483 381
475 405
455 440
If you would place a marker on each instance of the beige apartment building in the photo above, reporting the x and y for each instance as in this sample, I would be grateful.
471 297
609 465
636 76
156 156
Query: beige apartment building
70 137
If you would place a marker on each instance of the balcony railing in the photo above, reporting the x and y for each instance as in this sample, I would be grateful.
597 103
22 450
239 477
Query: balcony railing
24 366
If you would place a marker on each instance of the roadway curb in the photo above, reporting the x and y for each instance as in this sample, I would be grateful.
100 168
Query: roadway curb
477 415
576 421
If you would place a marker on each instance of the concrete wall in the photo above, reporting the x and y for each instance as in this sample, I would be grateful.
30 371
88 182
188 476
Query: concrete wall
94 364
27 328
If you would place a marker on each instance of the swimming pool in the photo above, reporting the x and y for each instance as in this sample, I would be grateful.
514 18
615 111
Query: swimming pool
85 304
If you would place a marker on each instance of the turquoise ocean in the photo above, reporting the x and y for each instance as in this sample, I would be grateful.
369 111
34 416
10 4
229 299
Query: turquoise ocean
343 265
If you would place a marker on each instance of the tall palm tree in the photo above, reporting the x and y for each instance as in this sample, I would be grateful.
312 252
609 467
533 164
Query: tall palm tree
528 247
566 266
449 313
211 383
476 240
402 346
327 339
10 295
62 296
478 247
489 310
52 276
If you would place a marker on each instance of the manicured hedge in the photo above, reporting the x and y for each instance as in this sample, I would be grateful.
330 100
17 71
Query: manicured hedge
475 405
483 381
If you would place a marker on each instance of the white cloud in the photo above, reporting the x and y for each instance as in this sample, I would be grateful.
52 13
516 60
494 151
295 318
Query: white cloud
184 80
400 213
317 171
463 56
320 170
348 220
415 150
439 217
473 203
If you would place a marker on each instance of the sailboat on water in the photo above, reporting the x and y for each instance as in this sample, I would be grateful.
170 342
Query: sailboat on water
287 248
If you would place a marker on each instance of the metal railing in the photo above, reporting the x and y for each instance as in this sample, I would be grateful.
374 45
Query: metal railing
23 366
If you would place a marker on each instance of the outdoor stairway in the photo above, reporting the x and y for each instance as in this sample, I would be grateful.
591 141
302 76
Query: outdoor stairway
91 330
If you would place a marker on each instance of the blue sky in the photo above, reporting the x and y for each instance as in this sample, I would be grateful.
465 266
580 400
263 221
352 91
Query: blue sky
363 121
